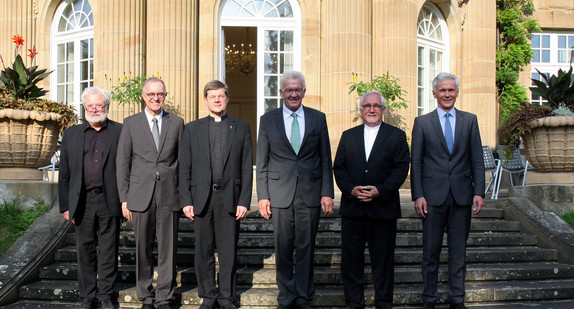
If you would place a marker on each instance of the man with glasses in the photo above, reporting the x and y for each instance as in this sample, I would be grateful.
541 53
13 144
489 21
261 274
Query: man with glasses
216 180
148 162
294 182
88 196
371 164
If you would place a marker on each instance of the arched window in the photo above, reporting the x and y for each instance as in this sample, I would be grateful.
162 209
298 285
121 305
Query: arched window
432 44
277 24
72 56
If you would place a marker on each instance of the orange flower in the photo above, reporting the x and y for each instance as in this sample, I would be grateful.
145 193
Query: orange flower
18 40
33 52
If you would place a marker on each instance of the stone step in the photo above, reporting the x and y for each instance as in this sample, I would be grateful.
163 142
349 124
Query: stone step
332 257
265 240
325 297
265 277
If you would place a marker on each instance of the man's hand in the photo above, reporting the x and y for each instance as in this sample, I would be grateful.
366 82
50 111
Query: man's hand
188 212
365 193
240 212
264 206
327 205
477 203
126 212
66 215
421 207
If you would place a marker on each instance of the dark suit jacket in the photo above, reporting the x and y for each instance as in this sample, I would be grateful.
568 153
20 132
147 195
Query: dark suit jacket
386 169
195 179
434 171
280 170
71 173
138 161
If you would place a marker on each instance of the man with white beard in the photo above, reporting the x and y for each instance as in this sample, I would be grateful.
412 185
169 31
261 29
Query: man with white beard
88 194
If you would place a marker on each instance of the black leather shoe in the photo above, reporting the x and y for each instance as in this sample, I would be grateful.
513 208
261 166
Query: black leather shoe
147 306
87 303
106 304
457 306
429 306
228 306
163 306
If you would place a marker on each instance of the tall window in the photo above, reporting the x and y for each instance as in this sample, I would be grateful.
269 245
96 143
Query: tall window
551 51
432 44
278 24
72 59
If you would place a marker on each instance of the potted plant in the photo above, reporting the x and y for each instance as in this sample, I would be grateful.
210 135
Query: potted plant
547 132
29 125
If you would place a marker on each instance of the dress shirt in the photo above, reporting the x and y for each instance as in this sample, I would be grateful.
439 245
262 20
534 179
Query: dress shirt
452 119
94 147
150 122
370 136
288 120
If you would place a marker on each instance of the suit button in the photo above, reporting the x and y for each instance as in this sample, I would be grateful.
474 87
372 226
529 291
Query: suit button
366 171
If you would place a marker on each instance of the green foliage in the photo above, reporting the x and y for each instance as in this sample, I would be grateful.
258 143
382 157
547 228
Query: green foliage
568 217
21 81
15 219
558 90
386 85
129 90
514 51
517 124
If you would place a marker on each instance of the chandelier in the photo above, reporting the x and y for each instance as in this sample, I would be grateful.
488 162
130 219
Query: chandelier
241 59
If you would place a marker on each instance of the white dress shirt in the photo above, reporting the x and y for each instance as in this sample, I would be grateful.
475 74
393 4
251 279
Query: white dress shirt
370 136
288 120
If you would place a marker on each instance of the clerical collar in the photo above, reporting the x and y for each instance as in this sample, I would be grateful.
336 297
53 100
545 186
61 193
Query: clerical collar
218 119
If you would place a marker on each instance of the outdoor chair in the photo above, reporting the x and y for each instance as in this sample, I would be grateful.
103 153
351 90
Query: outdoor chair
492 166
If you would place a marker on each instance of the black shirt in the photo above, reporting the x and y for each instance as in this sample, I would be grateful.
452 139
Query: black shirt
217 140
94 147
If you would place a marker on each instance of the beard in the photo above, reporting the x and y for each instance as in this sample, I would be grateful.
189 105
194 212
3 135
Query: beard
97 120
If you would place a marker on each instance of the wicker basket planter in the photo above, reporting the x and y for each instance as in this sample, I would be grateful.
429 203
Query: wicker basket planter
550 145
28 139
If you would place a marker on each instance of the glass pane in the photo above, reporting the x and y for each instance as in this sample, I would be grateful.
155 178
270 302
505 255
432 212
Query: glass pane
83 86
421 98
69 72
545 41
91 70
420 77
232 9
562 56
432 58
91 48
271 63
271 104
439 59
62 24
69 93
270 88
61 70
545 56
60 91
421 55
286 41
61 53
535 41
561 41
70 51
85 49
286 62
84 70
271 40
536 56
285 9
571 42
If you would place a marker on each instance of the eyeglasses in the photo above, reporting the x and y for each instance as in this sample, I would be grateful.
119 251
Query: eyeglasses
219 97
95 108
297 91
156 94
377 107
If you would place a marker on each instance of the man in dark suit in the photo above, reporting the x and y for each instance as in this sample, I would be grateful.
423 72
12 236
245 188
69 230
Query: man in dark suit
148 163
371 164
294 181
88 196
216 180
447 178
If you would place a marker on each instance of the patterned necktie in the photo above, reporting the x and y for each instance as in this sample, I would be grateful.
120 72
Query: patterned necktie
155 133
448 132
295 138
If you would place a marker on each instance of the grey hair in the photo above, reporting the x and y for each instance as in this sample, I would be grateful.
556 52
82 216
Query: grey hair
151 80
443 76
291 74
383 101
97 90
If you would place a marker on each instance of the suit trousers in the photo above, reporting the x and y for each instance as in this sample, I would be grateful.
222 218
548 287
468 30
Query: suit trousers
455 220
159 223
380 234
216 227
294 230
96 229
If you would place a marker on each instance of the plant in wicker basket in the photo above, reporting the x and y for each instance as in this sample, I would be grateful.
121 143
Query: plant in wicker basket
29 125
547 132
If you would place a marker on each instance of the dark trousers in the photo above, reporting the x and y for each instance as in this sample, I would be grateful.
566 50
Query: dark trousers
380 234
294 230
96 228
161 224
455 220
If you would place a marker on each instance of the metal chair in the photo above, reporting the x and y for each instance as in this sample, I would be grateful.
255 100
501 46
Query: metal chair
52 167
492 166
513 165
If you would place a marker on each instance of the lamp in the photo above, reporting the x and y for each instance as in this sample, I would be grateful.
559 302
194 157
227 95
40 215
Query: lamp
241 59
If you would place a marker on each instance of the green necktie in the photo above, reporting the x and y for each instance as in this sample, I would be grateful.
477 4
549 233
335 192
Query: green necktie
295 138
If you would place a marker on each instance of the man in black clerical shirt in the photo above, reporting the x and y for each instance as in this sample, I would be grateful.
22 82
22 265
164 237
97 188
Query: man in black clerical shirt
88 196
215 182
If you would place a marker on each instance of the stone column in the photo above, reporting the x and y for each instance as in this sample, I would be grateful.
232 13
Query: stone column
478 88
17 17
119 40
171 46
345 49
395 51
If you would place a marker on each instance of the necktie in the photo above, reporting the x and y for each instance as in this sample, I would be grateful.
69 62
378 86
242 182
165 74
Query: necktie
155 133
448 132
295 138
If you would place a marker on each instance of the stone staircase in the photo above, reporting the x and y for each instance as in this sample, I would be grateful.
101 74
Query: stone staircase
504 266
